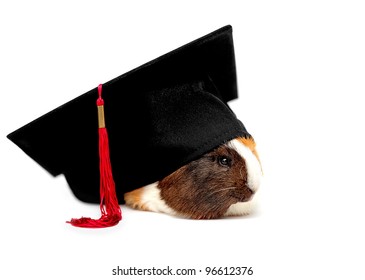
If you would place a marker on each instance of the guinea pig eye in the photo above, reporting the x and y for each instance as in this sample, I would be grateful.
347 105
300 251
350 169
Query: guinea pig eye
224 161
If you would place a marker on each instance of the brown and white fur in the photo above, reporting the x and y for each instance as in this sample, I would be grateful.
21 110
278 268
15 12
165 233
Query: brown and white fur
220 183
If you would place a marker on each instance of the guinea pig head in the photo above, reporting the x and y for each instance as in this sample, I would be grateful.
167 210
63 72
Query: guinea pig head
220 183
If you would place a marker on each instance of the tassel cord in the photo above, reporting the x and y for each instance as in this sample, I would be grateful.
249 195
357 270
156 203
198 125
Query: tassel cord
111 213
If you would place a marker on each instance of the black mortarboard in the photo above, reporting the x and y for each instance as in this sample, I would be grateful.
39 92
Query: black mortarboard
159 117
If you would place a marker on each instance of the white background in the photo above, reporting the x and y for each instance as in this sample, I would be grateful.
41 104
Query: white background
300 70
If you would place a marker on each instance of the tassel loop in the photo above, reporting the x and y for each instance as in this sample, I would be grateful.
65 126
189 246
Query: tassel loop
100 100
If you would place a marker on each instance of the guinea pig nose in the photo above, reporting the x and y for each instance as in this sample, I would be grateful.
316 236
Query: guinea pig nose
247 194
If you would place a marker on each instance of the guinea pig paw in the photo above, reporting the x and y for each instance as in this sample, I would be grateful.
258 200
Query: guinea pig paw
134 199
240 209
148 198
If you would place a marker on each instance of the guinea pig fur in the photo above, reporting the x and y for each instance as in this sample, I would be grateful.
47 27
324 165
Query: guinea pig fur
220 183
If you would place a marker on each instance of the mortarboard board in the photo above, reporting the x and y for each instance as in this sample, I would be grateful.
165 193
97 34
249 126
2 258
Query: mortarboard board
160 116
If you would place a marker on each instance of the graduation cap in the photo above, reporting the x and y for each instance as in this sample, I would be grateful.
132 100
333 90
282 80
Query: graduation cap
159 117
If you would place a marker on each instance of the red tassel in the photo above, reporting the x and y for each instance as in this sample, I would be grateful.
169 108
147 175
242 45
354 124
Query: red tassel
109 206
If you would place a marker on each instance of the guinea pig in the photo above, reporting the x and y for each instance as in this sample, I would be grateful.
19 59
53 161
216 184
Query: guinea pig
220 183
